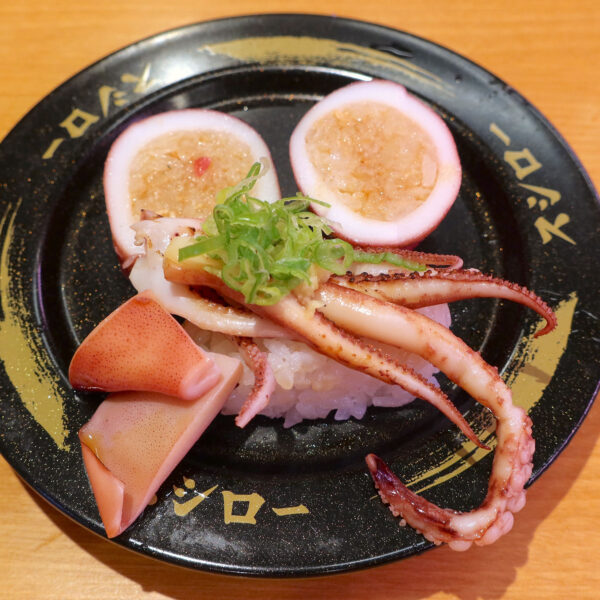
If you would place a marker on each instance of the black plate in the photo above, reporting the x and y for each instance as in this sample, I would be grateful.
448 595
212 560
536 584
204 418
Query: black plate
526 212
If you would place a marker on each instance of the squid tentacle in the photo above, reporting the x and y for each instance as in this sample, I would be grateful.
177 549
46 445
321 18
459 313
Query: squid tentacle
436 287
484 525
328 339
409 330
512 463
264 380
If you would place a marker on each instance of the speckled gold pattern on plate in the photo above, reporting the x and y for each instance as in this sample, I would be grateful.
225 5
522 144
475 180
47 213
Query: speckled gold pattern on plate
305 50
21 348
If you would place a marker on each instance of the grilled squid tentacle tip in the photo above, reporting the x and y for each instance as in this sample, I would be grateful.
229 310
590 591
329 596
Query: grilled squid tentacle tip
550 325
483 446
484 525
471 436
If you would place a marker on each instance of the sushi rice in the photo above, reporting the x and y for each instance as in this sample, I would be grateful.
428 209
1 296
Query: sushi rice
310 385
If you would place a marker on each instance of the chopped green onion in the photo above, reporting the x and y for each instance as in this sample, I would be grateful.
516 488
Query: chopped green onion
204 245
376 258
267 249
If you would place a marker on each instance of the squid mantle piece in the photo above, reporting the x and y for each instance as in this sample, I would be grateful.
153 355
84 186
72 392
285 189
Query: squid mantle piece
135 439
347 324
140 346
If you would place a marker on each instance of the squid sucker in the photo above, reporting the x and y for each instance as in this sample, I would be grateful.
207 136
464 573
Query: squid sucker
511 470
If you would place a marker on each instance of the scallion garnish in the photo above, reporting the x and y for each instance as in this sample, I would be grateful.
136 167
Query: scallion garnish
264 250
376 258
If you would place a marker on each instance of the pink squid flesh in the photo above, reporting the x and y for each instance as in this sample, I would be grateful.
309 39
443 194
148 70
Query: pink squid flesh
141 347
135 439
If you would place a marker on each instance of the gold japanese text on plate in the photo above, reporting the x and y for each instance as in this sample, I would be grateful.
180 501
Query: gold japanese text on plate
188 499
21 347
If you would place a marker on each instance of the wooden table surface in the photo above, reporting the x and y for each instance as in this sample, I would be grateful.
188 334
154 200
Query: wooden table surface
546 49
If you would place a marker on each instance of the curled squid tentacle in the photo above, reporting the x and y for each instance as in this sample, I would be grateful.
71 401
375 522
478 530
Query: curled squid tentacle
264 380
512 463
436 287
511 470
